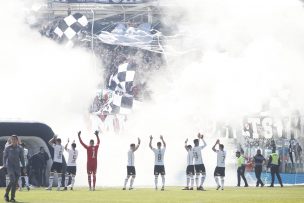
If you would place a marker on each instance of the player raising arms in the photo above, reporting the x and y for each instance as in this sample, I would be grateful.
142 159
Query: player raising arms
57 162
159 167
130 167
71 165
92 151
190 166
220 166
198 161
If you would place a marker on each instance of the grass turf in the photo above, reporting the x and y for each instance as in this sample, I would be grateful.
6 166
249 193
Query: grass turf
170 195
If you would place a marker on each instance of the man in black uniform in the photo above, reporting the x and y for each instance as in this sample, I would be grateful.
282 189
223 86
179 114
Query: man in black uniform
258 166
274 165
38 164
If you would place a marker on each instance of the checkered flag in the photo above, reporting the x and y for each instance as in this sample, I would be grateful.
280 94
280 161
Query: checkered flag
123 79
122 104
70 26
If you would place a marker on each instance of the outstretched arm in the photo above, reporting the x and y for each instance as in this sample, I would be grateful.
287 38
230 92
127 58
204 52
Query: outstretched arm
66 146
150 144
80 140
162 139
217 142
137 145
52 141
204 143
186 144
97 133
5 155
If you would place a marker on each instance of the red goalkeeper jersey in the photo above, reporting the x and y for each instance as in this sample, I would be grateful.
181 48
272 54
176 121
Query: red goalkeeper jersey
91 151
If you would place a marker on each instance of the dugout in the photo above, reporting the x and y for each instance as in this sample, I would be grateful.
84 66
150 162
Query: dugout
34 135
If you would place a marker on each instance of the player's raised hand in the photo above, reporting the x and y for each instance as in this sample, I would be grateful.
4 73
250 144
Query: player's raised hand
202 136
138 140
199 135
68 140
151 138
186 140
217 141
161 137
96 132
79 133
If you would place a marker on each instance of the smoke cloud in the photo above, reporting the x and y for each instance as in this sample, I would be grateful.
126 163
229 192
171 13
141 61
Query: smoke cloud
228 58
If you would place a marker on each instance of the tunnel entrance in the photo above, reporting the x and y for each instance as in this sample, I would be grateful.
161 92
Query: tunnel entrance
34 135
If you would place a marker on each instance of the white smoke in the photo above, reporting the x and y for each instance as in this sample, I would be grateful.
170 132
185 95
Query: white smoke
42 81
237 54
39 79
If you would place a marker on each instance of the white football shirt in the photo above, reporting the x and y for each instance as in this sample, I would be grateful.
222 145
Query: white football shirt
58 150
190 157
221 156
25 154
159 156
73 154
197 154
130 158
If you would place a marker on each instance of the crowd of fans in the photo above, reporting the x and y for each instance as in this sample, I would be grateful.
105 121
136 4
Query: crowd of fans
290 151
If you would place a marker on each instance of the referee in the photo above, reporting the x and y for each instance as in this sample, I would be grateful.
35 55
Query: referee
12 156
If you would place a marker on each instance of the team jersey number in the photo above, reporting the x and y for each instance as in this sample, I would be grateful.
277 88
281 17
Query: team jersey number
159 157
223 158
74 158
93 154
59 154
195 155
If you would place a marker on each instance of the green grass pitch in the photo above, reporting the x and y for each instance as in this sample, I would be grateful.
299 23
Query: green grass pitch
293 194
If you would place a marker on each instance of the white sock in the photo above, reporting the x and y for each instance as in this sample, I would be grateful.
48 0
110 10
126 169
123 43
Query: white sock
73 181
188 180
163 180
196 179
66 180
26 179
7 180
126 181
132 181
203 180
59 180
156 180
217 180
20 182
51 179
192 180
222 181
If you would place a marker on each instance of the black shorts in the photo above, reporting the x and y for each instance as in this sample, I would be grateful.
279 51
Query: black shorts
131 170
200 168
71 170
190 170
219 171
22 171
159 169
56 167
